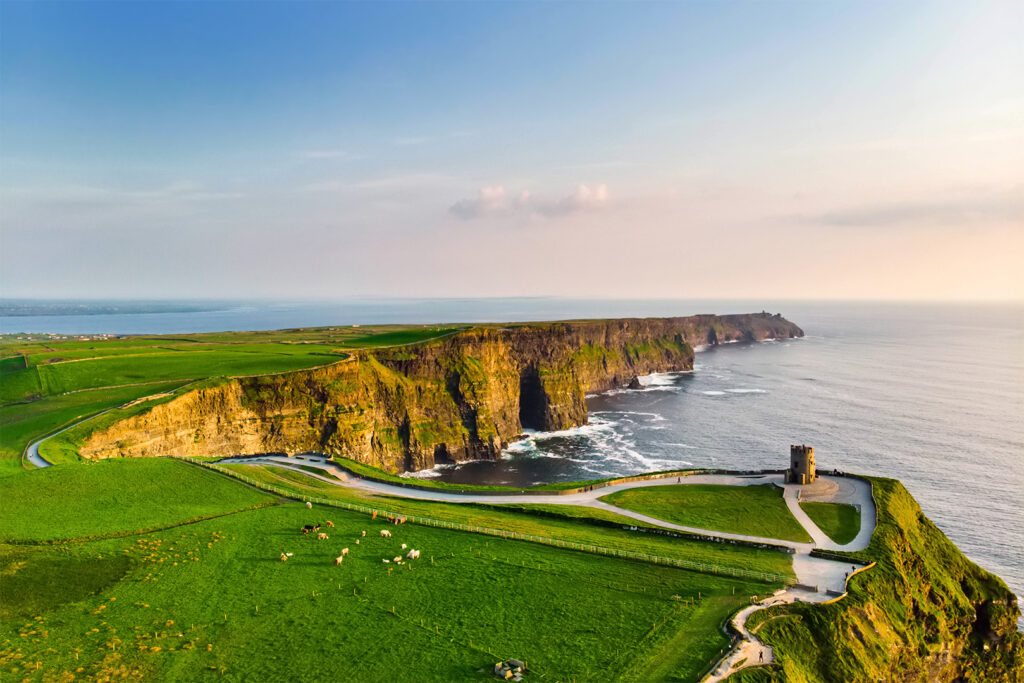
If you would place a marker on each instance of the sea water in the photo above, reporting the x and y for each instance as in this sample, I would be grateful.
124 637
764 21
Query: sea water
930 394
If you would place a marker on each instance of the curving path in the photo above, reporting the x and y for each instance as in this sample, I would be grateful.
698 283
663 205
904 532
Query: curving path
32 451
816 576
810 571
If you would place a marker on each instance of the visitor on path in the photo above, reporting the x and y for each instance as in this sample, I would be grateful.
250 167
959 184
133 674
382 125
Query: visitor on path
760 657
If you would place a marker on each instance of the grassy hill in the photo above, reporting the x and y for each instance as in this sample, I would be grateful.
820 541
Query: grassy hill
923 613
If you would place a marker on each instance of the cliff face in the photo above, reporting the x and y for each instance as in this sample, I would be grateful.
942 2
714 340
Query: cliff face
407 408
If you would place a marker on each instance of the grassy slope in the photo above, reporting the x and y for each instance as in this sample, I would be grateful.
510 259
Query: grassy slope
74 501
923 596
839 521
569 615
568 528
22 423
753 510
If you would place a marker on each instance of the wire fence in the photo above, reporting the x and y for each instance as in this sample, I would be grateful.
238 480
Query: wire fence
703 567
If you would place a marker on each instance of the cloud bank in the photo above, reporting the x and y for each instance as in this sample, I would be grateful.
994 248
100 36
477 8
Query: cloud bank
496 201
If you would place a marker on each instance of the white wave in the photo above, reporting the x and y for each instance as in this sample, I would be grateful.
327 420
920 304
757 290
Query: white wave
659 379
432 473
746 391
656 417
713 393
679 445
701 347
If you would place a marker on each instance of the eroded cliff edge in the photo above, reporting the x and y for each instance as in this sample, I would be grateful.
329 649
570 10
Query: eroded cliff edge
410 407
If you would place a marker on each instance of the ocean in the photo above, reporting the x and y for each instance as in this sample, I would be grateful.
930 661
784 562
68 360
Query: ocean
931 394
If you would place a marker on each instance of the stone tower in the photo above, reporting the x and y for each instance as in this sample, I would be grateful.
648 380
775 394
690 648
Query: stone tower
801 469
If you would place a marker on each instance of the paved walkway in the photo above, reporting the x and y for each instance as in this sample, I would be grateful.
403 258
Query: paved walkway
816 575
810 571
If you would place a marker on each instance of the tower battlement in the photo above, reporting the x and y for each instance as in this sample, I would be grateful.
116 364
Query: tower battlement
801 461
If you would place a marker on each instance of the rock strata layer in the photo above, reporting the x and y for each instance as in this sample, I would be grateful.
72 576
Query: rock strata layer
411 407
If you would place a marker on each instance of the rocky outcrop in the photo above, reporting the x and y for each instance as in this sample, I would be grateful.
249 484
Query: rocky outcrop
407 408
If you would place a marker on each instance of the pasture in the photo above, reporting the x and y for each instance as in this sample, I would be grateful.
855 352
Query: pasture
576 524
112 496
213 600
752 510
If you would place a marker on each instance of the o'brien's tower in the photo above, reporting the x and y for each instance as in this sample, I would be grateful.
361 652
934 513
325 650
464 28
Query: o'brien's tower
802 465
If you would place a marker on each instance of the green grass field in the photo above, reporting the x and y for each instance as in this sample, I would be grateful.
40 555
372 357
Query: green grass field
839 521
751 510
569 615
570 526
88 500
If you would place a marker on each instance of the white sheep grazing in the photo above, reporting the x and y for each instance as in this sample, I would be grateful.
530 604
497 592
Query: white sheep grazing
416 554
403 546
386 561
385 533
344 552
357 541
338 559
284 558
309 506
322 536
411 554
364 533
398 559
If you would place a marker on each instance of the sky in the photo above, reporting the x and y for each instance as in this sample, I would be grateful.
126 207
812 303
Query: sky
799 150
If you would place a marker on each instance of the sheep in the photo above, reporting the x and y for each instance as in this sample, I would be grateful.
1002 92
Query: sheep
339 559
386 561
309 506
385 533
344 551
284 558
403 546
398 559
357 541
330 524
364 533
322 536
413 554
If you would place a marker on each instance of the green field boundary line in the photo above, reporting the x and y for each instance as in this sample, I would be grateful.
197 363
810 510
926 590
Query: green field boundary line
134 532
701 567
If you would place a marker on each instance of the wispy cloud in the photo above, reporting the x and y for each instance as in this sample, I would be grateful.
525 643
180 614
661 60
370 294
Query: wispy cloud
496 201
939 213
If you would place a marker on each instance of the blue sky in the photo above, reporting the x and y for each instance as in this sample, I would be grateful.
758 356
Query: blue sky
610 149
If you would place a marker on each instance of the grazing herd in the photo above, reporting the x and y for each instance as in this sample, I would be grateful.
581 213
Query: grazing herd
307 529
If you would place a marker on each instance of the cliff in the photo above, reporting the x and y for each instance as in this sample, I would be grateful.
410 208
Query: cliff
924 613
409 407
